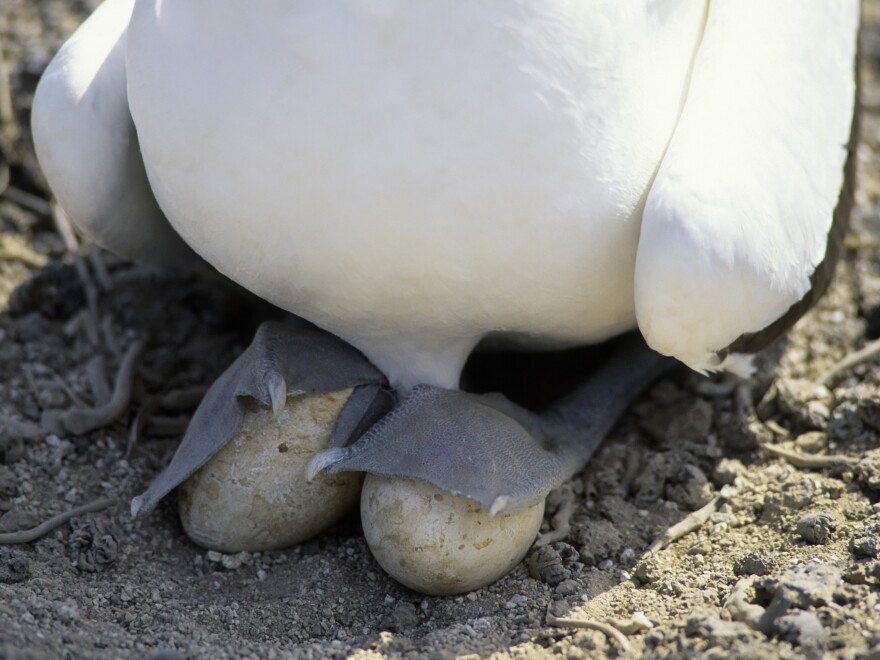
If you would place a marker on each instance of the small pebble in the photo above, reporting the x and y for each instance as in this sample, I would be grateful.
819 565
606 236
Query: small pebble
805 401
689 488
863 573
816 527
568 588
716 631
401 618
727 470
812 442
647 570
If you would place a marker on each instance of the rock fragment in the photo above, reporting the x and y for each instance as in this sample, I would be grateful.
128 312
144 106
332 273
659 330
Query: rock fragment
553 563
14 567
93 547
754 563
816 527
689 488
866 543
801 628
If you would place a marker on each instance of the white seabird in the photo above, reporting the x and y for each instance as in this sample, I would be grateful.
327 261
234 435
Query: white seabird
415 177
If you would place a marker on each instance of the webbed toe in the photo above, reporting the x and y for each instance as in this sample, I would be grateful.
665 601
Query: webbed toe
445 464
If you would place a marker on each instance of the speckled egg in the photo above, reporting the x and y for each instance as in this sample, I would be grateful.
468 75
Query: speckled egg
253 494
438 543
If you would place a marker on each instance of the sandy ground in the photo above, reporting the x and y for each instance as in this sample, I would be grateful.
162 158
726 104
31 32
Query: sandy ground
786 565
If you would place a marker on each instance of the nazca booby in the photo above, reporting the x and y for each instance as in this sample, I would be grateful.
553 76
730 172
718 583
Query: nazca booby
414 177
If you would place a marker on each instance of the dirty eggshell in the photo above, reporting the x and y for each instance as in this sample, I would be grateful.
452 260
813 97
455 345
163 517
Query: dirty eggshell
438 543
253 494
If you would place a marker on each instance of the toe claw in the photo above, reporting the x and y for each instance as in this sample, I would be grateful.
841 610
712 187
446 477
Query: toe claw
277 392
322 460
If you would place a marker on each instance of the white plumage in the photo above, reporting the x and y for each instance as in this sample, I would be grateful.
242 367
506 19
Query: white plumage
413 176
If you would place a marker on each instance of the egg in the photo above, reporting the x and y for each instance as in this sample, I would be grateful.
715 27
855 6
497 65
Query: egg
253 494
441 544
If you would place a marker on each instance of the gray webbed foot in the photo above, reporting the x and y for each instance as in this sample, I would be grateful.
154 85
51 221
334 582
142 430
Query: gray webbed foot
455 485
281 361
489 450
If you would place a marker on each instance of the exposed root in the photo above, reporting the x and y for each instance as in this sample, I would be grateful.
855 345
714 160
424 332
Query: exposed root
137 426
23 430
28 535
96 371
80 421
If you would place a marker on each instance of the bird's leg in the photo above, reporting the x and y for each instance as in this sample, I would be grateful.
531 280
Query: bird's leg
283 360
490 450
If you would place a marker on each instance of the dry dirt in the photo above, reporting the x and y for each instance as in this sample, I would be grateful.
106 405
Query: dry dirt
786 567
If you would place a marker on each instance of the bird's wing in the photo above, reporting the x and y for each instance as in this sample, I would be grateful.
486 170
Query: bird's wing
88 147
740 226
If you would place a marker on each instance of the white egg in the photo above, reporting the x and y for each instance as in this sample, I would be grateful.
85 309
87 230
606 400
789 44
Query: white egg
253 494
438 543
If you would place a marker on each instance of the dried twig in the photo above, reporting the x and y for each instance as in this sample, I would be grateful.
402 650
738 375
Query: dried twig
866 353
608 630
690 523
28 535
810 461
